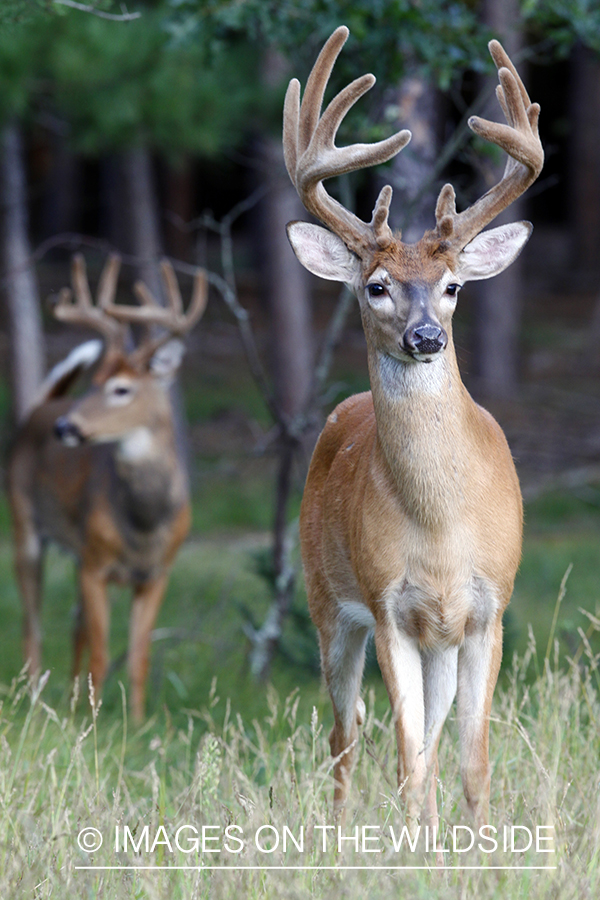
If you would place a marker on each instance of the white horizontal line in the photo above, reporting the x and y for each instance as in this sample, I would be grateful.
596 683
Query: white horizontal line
303 868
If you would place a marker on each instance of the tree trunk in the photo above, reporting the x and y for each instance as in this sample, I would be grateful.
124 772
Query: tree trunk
144 217
179 202
23 303
144 234
286 288
62 190
498 301
413 202
584 163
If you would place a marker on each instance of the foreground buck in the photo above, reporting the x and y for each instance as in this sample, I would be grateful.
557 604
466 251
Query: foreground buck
411 518
101 475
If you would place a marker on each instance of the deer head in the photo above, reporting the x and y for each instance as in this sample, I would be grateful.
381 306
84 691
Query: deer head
407 292
130 393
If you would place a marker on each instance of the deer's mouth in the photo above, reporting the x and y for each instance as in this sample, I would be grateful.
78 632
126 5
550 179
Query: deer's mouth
68 433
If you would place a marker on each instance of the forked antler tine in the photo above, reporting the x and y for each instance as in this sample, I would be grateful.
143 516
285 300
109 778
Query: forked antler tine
311 155
149 305
503 61
77 308
172 287
314 92
175 325
199 299
107 285
171 318
80 282
519 138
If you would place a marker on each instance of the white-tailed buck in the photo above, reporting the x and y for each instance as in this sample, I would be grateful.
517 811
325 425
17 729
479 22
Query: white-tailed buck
101 475
411 518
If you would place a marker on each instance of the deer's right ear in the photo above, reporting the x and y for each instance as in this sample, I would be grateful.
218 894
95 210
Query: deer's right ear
322 252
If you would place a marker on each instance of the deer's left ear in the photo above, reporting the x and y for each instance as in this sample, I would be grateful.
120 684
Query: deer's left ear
167 359
492 251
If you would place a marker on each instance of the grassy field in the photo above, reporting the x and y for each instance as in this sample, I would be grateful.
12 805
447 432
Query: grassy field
221 752
239 805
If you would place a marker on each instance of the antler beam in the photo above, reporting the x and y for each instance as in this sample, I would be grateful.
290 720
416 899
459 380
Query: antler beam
519 138
311 155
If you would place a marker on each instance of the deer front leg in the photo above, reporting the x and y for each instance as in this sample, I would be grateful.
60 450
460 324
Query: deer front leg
342 645
146 604
400 663
96 623
439 690
478 666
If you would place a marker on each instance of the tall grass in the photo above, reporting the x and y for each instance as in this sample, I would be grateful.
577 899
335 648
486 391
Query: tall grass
269 783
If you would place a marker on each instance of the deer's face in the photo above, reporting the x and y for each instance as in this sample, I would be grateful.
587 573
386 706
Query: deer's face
407 300
126 406
408 292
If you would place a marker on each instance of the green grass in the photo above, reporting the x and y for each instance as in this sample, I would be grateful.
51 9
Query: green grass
62 771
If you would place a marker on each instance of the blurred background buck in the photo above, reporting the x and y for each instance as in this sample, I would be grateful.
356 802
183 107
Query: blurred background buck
102 475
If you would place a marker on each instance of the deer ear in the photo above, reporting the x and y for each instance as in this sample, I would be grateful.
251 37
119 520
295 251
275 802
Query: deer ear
492 251
167 359
322 252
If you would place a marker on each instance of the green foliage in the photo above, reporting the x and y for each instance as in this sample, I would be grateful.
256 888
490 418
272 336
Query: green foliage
564 22
117 84
441 38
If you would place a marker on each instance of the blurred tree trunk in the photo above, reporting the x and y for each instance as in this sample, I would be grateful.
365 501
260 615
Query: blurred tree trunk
20 285
179 183
287 292
286 288
144 216
584 162
498 301
63 189
584 176
413 203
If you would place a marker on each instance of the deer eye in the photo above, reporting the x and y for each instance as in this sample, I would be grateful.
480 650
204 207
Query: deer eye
375 289
121 390
453 289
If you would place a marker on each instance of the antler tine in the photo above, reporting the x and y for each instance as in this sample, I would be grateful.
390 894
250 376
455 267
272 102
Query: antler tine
521 141
77 308
172 287
311 155
107 285
172 319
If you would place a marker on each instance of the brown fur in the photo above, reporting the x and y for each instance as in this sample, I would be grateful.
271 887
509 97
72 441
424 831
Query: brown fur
85 498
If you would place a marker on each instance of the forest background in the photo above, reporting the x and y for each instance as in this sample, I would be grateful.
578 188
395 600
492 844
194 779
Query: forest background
154 129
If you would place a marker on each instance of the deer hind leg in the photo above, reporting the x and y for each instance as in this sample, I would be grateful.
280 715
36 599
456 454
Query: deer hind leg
343 645
146 604
80 640
439 690
96 622
401 668
478 666
28 570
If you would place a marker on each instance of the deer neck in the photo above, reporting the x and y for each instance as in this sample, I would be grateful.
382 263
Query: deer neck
149 476
422 412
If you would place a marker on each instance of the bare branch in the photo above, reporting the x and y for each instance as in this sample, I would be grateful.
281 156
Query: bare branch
114 17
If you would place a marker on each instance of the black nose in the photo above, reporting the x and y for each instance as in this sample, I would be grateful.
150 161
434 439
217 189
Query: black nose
67 432
427 338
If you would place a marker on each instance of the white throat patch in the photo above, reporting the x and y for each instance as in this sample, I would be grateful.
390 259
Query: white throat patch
139 444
